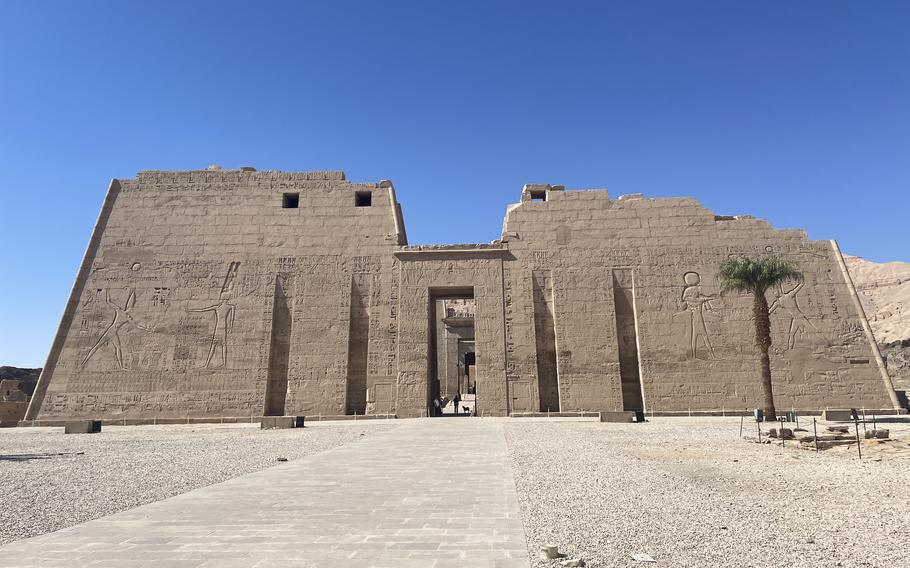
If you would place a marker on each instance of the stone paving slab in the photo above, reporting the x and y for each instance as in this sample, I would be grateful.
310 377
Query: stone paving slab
431 493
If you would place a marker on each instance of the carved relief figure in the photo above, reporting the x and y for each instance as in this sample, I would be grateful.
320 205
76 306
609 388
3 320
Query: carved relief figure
224 317
789 303
695 302
112 334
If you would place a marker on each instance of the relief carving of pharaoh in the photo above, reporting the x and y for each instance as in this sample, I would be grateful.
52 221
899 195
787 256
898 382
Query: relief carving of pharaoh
696 304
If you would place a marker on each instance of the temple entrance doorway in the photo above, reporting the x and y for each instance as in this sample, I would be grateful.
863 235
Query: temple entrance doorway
452 373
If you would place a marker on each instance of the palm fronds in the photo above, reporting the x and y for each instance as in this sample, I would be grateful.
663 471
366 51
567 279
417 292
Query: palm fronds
755 275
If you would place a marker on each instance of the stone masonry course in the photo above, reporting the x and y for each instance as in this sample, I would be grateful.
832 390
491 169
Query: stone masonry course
227 295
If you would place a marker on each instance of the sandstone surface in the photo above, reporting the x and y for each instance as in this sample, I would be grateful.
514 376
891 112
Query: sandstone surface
231 294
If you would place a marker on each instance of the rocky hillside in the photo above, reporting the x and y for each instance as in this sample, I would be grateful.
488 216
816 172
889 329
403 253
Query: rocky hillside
884 290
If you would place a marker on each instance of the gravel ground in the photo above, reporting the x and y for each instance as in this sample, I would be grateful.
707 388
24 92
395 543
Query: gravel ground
689 492
127 466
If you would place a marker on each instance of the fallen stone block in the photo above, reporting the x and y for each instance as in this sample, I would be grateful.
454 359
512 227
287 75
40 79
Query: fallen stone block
785 433
550 552
835 443
837 415
821 437
831 437
82 427
277 422
617 416
571 563
839 429
878 433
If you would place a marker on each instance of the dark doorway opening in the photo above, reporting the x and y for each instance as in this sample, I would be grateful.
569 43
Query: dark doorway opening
452 360
470 372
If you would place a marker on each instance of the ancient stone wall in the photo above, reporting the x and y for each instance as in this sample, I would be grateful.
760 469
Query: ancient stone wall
173 309
13 403
228 295
695 347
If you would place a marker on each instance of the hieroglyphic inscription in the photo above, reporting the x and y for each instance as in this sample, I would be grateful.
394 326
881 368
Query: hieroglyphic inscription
509 312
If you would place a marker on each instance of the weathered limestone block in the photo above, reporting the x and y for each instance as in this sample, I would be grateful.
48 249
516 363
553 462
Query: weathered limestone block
784 433
82 427
11 413
617 416
550 552
878 433
837 415
278 422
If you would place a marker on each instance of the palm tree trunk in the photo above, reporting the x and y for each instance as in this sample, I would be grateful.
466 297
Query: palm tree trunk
763 339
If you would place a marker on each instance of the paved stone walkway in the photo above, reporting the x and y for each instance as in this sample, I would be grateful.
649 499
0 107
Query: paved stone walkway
432 493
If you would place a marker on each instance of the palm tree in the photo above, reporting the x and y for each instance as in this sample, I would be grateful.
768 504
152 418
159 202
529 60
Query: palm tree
756 275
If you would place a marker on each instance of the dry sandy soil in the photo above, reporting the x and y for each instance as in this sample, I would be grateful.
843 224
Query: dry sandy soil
690 492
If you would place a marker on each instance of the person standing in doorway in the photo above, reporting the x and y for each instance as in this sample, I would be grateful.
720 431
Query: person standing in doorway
437 410
456 401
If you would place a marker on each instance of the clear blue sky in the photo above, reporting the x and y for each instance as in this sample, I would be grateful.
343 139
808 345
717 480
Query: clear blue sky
797 112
